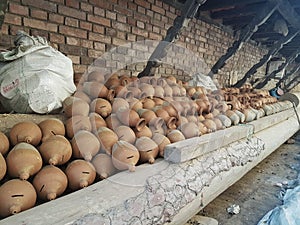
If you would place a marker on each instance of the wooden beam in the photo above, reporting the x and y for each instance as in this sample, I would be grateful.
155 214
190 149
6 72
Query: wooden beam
236 12
272 52
217 4
238 20
272 35
288 75
290 85
246 33
289 13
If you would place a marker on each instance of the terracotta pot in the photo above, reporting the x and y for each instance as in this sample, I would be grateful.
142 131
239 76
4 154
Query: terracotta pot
4 143
148 89
241 115
73 106
170 109
137 93
171 123
224 119
103 165
144 132
118 103
171 79
96 75
77 123
218 123
147 148
125 80
235 119
101 106
160 112
162 141
158 101
135 104
168 91
181 120
23 161
96 121
148 103
107 139
50 127
130 118
210 124
50 182
125 133
190 130
85 145
123 92
208 116
202 128
112 82
182 91
175 136
56 150
3 167
125 156
159 91
176 91
16 196
80 174
147 114
112 121
83 96
249 115
161 81
193 119
27 131
178 107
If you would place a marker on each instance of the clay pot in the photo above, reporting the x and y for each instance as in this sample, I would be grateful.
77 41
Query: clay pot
202 128
190 130
224 119
125 156
23 161
147 114
178 107
148 103
160 112
171 79
137 93
168 91
159 91
175 136
4 143
249 115
176 91
210 124
107 139
50 127
3 167
193 119
148 89
123 92
125 133
16 196
80 174
135 104
77 123
98 76
96 121
190 91
182 120
112 121
241 115
101 106
118 103
27 131
170 109
103 165
112 82
50 182
235 119
130 118
218 123
56 150
147 148
161 81
162 141
85 145
95 89
125 80
73 106
144 132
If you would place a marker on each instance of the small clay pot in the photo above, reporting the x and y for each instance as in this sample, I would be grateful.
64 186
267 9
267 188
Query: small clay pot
80 174
118 103
168 91
144 132
103 165
170 109
125 156
3 167
235 119
85 145
125 133
148 89
224 119
158 101
73 106
96 121
56 150
50 127
130 118
4 143
27 131
210 124
16 196
218 123
101 106
50 182
77 123
190 130
203 129
135 104
112 121
107 139
162 141
23 161
95 89
148 103
159 91
147 148
147 114
112 81
175 136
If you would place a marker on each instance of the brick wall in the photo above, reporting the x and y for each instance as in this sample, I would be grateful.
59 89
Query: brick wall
84 30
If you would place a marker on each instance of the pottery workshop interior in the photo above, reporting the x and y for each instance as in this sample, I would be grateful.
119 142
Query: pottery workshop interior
158 112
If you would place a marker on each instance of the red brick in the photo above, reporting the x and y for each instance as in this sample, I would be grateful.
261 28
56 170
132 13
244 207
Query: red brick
121 18
140 24
12 19
38 14
120 26
42 33
86 7
98 29
85 60
71 31
87 43
58 1
141 10
143 3
71 12
18 9
71 22
56 18
157 16
166 6
159 3
57 38
154 36
99 37
99 20
132 6
73 41
95 53
140 32
40 24
6 41
141 17
79 68
73 50
149 27
14 29
171 15
99 11
119 9
4 29
99 46
41 4
111 15
111 32
101 4
85 25
121 35
73 3
158 9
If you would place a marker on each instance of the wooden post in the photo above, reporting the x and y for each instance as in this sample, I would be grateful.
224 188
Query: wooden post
279 44
246 34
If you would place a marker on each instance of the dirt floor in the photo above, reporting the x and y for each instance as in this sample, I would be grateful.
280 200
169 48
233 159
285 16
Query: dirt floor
258 191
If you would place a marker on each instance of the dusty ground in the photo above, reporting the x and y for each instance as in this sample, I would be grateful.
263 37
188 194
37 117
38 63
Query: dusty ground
257 193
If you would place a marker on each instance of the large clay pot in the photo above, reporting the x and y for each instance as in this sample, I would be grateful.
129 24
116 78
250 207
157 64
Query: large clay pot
16 196
160 112
147 148
77 123
144 132
80 174
85 145
101 106
158 101
148 103
125 133
3 167
50 127
103 165
130 118
4 143
27 131
147 114
118 103
112 121
175 136
159 91
135 104
96 121
23 161
125 156
50 182
56 150
83 96
73 106
162 141
168 91
170 109
148 89
107 139
95 89
241 115
190 130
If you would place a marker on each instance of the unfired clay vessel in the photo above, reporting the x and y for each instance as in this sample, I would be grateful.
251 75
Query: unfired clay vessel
50 127
26 131
103 165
